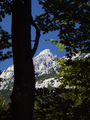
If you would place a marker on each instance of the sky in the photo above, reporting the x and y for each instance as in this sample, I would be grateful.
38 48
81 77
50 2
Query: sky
36 10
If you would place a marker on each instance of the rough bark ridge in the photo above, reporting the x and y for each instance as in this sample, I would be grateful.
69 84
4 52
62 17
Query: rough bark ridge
22 97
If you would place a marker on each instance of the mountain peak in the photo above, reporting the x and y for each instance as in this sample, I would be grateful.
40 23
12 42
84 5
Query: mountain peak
45 62
44 51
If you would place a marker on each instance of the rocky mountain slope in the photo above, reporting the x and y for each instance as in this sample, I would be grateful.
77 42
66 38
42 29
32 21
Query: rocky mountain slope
45 63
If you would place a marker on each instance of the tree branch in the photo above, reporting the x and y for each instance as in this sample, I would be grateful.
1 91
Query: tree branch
37 37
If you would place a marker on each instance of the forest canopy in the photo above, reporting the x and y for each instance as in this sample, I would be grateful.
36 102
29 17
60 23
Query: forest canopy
71 18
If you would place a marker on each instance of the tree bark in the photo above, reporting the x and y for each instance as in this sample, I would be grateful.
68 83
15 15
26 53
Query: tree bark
22 97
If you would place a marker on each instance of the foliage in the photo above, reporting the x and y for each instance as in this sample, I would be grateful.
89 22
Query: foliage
71 101
50 105
76 76
5 8
71 19
59 104
5 113
6 94
76 73
60 45
5 44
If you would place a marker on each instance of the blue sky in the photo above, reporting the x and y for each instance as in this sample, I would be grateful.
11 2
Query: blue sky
36 10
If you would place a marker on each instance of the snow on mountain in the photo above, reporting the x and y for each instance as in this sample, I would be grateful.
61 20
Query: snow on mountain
78 56
44 63
8 73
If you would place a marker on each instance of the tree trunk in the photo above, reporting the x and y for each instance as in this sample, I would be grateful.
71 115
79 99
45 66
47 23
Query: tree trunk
22 97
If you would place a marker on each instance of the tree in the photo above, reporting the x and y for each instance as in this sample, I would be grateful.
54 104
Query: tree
71 19
24 85
5 38
50 104
71 101
75 76
5 43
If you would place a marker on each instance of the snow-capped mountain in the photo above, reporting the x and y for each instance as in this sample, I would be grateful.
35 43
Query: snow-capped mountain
44 63
78 56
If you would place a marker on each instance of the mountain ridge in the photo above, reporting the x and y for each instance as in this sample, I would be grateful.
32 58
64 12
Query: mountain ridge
44 64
